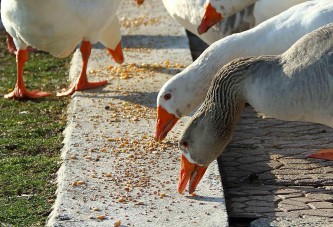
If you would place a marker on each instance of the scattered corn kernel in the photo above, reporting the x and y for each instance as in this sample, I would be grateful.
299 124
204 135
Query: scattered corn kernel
73 156
100 217
140 203
76 183
103 149
130 156
121 200
117 223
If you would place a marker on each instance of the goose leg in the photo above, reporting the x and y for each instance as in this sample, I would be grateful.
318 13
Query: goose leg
10 44
326 154
20 91
82 82
117 54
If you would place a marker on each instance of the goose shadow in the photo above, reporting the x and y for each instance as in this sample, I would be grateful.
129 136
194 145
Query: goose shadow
206 198
150 42
146 99
265 173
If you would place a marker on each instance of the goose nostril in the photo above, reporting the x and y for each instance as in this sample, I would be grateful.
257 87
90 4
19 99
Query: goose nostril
184 144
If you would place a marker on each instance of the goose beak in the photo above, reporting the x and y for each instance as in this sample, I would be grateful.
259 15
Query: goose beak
189 172
117 54
326 154
139 2
165 122
210 18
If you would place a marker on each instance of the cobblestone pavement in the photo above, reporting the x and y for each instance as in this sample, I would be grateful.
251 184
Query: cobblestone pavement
265 174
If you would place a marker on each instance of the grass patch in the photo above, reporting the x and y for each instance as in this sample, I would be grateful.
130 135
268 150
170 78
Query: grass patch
30 138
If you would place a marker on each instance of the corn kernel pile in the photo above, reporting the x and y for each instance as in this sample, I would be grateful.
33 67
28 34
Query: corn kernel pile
138 21
131 154
140 71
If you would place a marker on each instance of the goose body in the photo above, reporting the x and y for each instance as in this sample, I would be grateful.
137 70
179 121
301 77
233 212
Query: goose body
184 92
295 86
58 27
264 9
231 16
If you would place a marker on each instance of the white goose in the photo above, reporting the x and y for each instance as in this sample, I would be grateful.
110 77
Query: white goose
263 10
198 16
183 93
58 27
238 17
295 86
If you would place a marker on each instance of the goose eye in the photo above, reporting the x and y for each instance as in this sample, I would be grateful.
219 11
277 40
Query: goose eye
167 96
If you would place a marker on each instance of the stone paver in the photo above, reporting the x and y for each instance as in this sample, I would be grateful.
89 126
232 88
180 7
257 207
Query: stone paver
265 174
112 169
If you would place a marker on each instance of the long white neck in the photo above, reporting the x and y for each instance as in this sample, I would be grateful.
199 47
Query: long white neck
196 78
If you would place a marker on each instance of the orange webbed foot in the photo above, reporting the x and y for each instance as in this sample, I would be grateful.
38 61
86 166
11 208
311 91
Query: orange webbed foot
80 87
326 154
22 93
82 82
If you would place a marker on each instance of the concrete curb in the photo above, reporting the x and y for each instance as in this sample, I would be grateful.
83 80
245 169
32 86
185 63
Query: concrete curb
112 169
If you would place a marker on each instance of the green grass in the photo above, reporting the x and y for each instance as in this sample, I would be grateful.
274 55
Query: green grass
30 138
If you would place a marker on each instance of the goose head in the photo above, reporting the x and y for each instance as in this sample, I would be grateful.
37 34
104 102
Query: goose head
177 98
203 140
210 130
167 112
211 16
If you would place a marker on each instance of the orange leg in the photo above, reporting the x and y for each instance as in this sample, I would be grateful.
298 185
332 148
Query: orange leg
20 91
117 54
326 154
10 44
82 82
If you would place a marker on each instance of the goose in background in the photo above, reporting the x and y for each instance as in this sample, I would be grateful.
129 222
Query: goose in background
223 17
58 27
189 13
263 10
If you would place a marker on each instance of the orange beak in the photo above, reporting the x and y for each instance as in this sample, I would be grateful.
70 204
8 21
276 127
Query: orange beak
139 2
326 154
117 54
164 123
189 172
210 18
